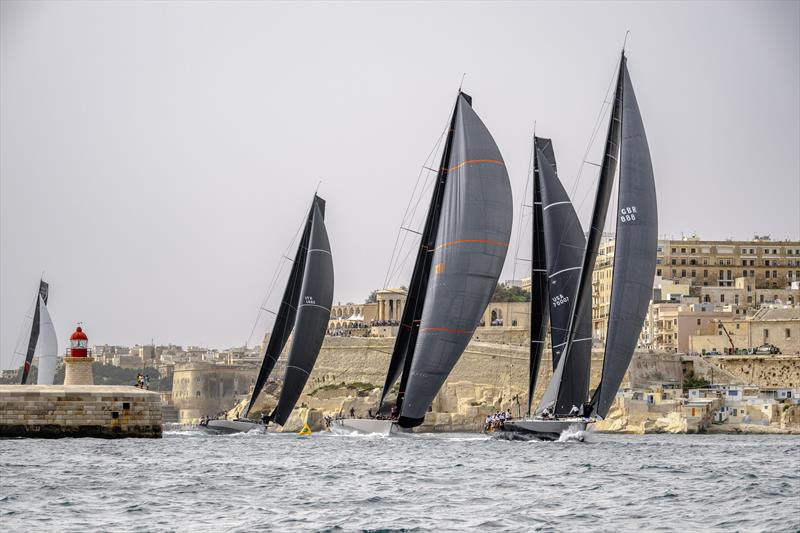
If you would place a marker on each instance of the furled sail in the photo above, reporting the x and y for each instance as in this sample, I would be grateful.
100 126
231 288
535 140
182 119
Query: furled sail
47 347
634 248
470 247
564 246
311 321
284 319
415 299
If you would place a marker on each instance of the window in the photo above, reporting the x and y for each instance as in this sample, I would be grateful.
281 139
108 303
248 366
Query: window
683 261
736 299
673 250
694 273
683 250
766 262
729 274
674 272
693 262
788 334
721 298
673 261
705 273
693 250
683 273
658 272
721 274
737 326
705 261
766 334
774 273
698 323
766 273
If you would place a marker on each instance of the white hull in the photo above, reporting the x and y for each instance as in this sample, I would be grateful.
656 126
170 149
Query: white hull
364 426
541 428
232 426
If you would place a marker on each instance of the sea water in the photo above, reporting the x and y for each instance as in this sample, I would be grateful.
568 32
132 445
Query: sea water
191 481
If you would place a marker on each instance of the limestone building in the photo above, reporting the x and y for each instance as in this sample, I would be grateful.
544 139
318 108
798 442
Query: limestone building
708 268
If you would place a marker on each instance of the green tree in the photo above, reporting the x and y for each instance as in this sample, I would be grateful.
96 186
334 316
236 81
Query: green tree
505 293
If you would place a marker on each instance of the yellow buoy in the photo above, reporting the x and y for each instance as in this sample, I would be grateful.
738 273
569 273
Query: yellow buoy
305 432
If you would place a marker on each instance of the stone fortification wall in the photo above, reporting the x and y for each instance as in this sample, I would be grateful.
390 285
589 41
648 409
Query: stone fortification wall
54 411
202 389
763 371
488 377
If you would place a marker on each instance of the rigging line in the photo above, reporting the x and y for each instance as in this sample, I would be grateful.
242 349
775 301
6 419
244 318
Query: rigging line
401 264
606 103
275 277
411 200
524 197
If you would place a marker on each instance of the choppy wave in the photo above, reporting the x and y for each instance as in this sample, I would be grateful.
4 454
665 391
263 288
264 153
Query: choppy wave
193 481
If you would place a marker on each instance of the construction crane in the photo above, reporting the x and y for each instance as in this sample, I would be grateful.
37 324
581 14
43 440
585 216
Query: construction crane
730 340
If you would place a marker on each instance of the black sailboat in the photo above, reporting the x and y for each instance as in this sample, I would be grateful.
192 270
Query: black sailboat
565 402
461 252
304 310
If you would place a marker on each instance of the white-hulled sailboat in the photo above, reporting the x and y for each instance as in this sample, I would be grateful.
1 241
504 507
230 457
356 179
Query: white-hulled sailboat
562 284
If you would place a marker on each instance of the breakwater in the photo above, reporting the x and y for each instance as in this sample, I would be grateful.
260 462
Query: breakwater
56 411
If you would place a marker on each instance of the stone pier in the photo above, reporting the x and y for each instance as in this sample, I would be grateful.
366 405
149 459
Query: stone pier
56 411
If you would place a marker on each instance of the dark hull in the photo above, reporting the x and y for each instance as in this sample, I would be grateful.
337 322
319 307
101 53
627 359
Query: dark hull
223 427
541 429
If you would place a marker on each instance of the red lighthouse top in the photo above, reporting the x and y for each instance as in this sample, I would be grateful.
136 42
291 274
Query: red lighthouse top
79 343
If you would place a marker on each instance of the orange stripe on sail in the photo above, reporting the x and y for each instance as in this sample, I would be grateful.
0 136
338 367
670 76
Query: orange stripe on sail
472 241
447 330
471 161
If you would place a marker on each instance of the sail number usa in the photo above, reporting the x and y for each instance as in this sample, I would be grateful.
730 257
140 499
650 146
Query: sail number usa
560 299
627 214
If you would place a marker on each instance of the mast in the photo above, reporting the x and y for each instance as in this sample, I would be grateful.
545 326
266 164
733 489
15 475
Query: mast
285 317
539 288
635 246
311 321
595 234
403 351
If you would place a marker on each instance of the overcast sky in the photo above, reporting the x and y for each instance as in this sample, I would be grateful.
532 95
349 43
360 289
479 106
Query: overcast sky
156 158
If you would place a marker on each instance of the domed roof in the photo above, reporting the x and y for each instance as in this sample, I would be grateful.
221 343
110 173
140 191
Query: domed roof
79 335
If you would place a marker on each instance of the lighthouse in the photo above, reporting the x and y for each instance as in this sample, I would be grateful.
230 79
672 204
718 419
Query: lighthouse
78 361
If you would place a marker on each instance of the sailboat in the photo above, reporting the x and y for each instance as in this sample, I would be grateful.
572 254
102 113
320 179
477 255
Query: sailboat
565 404
461 253
304 310
41 339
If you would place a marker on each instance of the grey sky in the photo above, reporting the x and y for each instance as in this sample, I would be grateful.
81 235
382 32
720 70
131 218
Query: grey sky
156 158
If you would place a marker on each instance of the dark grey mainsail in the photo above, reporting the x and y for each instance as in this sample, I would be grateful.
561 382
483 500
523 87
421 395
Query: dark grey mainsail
634 248
35 327
564 245
415 299
285 317
311 321
470 248
539 290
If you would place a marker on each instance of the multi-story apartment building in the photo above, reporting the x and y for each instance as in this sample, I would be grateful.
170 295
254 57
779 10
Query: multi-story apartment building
705 265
